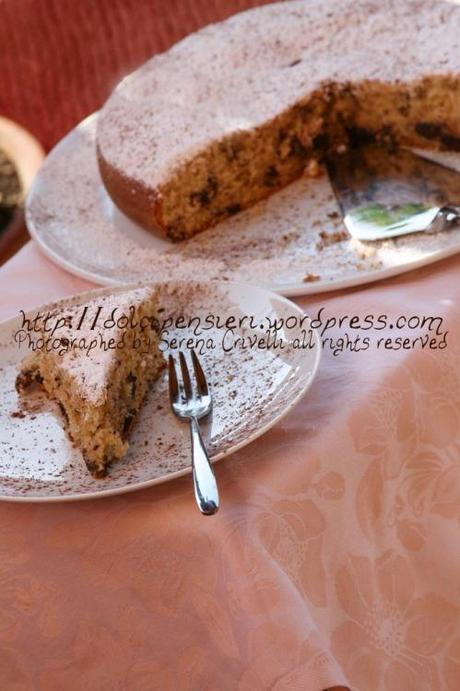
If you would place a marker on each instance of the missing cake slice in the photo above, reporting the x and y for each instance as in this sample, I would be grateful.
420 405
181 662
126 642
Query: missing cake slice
98 367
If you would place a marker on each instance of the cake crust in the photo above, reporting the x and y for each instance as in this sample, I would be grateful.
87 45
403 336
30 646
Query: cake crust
237 110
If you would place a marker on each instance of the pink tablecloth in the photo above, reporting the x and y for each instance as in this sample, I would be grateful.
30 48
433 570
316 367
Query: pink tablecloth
335 558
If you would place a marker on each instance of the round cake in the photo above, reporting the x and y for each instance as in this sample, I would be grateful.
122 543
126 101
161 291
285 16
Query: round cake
239 109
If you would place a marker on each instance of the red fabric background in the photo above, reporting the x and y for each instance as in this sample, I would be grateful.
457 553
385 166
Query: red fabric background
59 59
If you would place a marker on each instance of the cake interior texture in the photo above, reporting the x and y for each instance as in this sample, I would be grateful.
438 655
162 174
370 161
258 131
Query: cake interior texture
240 109
236 172
101 392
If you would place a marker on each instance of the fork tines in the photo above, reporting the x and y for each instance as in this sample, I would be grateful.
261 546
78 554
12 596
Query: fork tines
201 385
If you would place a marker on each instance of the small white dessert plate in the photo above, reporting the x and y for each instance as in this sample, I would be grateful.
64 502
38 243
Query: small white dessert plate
252 386
292 243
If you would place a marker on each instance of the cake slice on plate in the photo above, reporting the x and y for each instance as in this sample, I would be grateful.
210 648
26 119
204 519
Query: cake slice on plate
98 366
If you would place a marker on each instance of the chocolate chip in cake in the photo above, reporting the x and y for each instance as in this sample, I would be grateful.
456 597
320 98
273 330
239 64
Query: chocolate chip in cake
449 141
297 148
26 378
128 423
271 176
132 379
428 130
358 136
233 209
321 142
434 130
204 196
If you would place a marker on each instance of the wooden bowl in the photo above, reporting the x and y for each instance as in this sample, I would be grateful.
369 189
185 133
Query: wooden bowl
27 155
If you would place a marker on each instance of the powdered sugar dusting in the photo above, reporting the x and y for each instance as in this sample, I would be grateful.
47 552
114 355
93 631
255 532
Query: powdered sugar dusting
90 372
281 243
240 73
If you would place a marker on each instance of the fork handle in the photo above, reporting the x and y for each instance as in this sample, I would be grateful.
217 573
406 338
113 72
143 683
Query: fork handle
204 482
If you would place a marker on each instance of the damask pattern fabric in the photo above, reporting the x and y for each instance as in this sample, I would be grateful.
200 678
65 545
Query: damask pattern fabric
333 561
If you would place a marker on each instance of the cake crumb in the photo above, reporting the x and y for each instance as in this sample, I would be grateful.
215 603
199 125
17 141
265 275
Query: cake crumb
311 278
332 238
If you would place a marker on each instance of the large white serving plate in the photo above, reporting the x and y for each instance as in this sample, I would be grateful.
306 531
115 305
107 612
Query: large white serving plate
252 389
276 244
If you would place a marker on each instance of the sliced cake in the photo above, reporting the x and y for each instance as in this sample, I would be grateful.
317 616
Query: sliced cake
239 109
98 367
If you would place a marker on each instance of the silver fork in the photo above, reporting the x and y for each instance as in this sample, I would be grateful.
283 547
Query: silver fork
192 405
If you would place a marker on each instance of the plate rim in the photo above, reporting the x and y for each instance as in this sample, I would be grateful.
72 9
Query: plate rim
163 479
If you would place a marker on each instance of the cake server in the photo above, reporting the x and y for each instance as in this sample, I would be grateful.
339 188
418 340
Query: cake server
192 404
384 193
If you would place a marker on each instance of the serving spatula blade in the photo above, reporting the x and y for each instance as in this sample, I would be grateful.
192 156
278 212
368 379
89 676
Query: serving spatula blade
384 193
